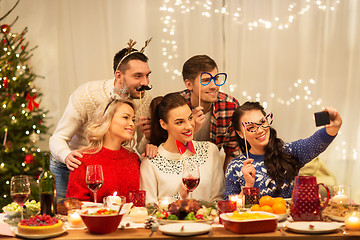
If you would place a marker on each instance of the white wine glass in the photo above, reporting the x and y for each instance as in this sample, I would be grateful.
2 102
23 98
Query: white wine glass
20 191
94 178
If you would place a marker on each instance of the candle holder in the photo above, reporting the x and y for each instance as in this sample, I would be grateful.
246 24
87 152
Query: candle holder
352 220
164 202
341 194
225 206
239 201
138 198
251 196
74 219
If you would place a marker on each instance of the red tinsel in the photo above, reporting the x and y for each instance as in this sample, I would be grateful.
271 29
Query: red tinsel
6 83
31 103
29 158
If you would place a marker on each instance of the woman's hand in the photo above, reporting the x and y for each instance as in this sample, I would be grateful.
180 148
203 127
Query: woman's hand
335 121
248 171
150 151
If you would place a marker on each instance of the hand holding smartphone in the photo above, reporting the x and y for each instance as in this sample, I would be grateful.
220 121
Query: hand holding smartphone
321 118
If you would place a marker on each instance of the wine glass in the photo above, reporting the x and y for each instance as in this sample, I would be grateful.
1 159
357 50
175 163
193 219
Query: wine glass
94 178
190 176
20 191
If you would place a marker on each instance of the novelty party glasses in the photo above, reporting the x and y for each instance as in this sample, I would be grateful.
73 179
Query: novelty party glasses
265 122
219 79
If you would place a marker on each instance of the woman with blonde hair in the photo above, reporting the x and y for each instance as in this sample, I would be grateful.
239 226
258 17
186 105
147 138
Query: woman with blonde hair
110 134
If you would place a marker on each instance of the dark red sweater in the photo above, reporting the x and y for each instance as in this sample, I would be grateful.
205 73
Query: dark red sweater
121 174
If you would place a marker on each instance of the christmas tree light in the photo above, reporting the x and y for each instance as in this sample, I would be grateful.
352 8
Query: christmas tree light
21 117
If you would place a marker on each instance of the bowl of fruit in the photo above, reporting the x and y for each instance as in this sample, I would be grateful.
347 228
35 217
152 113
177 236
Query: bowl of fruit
250 222
101 220
32 207
269 204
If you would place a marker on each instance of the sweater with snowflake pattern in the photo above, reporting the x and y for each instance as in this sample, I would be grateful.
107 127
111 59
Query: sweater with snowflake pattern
304 150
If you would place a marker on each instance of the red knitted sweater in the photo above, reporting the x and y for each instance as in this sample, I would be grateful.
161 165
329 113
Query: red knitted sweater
121 174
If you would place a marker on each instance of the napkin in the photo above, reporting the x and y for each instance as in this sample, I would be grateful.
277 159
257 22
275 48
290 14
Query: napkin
5 230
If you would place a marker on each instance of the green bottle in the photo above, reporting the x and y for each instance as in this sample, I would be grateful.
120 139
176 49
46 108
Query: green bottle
47 189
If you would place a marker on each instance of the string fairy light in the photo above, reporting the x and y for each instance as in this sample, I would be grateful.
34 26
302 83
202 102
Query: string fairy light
237 15
300 90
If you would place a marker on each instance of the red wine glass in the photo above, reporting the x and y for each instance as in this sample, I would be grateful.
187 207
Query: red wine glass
190 176
94 178
20 191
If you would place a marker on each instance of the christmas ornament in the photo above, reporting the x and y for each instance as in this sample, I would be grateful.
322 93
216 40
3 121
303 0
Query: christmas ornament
5 28
34 137
29 158
31 103
8 145
14 121
6 82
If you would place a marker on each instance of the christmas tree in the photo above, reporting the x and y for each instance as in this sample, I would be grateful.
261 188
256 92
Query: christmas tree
21 117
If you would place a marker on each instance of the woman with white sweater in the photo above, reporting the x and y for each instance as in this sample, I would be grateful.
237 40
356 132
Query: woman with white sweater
171 120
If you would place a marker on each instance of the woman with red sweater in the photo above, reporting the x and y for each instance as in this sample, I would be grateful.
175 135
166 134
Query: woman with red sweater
108 135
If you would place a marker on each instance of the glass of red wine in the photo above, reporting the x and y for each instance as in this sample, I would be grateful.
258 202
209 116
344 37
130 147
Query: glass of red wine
20 191
190 176
94 178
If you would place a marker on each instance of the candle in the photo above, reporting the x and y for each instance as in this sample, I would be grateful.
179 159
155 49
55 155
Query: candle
74 220
138 214
164 202
340 198
352 220
237 199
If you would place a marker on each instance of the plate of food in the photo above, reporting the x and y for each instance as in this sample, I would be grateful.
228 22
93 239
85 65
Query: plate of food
313 227
39 227
187 211
38 236
336 211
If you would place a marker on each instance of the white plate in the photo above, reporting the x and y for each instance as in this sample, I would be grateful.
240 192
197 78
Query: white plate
336 218
166 221
91 204
42 236
282 217
188 230
318 227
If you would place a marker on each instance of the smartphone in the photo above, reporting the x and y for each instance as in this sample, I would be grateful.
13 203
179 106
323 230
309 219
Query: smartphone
321 118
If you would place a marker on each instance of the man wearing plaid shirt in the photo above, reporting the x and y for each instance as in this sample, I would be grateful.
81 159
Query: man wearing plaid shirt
213 116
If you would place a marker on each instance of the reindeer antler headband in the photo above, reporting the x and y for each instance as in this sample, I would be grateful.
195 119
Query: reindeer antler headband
130 49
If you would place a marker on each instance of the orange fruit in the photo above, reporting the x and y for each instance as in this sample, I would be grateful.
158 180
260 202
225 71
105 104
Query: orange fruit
266 201
266 208
279 200
279 208
255 207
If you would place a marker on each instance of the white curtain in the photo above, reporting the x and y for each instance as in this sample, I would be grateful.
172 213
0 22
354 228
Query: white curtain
293 56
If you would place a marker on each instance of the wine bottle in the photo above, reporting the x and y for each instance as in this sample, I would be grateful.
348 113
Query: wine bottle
47 189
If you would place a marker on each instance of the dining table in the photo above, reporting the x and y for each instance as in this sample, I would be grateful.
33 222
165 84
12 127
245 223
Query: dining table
217 232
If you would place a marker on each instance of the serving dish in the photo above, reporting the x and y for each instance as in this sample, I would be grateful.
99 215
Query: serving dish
250 225
100 224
